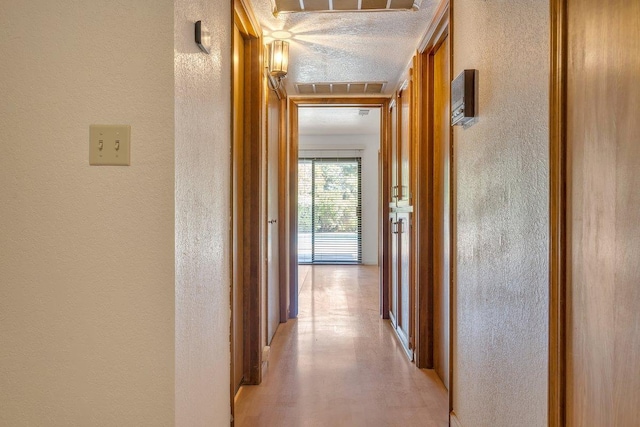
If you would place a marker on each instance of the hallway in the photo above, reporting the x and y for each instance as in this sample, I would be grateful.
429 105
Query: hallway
339 364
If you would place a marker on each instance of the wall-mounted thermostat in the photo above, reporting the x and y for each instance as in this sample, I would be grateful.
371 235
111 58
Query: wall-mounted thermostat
464 105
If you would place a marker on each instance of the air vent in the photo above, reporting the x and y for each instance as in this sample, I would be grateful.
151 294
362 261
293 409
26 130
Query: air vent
353 88
297 6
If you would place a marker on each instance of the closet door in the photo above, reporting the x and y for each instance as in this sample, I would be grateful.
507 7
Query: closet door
393 268
405 294
272 309
394 152
404 143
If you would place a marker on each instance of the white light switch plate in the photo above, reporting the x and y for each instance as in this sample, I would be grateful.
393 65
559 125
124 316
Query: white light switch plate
109 145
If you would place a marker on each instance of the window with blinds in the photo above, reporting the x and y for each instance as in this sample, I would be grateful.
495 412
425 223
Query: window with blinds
329 211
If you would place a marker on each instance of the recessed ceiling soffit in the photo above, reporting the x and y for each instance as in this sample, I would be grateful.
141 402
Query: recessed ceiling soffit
299 6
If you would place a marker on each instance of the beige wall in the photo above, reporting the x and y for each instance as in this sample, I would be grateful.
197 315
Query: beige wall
203 192
87 253
107 274
500 359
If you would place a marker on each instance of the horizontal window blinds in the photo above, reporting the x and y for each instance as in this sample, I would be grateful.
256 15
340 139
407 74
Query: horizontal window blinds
329 210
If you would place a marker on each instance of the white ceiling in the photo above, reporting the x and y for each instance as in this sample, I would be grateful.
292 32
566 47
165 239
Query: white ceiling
338 121
347 46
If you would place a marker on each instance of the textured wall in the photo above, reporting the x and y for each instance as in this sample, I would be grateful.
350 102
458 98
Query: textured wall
500 363
202 109
369 155
86 253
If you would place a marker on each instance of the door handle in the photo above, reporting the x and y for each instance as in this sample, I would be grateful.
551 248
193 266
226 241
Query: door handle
404 194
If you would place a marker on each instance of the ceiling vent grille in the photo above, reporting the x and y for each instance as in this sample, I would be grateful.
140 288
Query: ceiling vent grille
297 6
353 88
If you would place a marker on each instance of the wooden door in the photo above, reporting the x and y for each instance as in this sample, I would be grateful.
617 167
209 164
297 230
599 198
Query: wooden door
237 305
393 270
404 143
393 148
405 290
401 293
273 273
602 213
441 210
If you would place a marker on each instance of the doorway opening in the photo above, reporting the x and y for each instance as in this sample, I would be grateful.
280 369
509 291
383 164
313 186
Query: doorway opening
335 155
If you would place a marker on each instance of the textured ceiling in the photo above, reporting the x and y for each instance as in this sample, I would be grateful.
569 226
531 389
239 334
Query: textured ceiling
347 46
338 121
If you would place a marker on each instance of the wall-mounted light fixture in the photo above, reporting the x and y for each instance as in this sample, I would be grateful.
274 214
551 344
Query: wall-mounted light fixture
203 37
278 55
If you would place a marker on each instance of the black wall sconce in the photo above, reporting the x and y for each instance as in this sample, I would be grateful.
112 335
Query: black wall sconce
203 37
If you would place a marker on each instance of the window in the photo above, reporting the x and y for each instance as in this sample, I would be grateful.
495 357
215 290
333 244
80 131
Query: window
329 211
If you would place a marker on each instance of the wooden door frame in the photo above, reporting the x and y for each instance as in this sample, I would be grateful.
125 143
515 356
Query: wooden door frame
558 281
252 192
294 104
423 161
283 212
384 191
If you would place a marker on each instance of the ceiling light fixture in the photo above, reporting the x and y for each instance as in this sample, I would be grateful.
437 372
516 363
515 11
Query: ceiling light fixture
278 54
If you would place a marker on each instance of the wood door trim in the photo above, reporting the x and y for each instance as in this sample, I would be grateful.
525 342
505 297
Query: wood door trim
383 208
245 19
292 172
299 101
235 234
283 215
423 160
424 218
439 23
558 209
453 224
252 192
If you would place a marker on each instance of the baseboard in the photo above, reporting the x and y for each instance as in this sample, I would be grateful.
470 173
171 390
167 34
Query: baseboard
266 351
453 420
235 398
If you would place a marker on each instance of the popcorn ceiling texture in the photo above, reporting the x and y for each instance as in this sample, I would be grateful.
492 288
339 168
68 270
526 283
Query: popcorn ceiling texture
501 332
348 46
203 191
86 253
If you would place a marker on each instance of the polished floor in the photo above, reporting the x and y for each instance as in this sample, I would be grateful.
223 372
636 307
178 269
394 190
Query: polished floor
339 364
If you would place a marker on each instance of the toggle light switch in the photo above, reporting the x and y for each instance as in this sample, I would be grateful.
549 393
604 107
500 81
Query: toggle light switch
109 145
